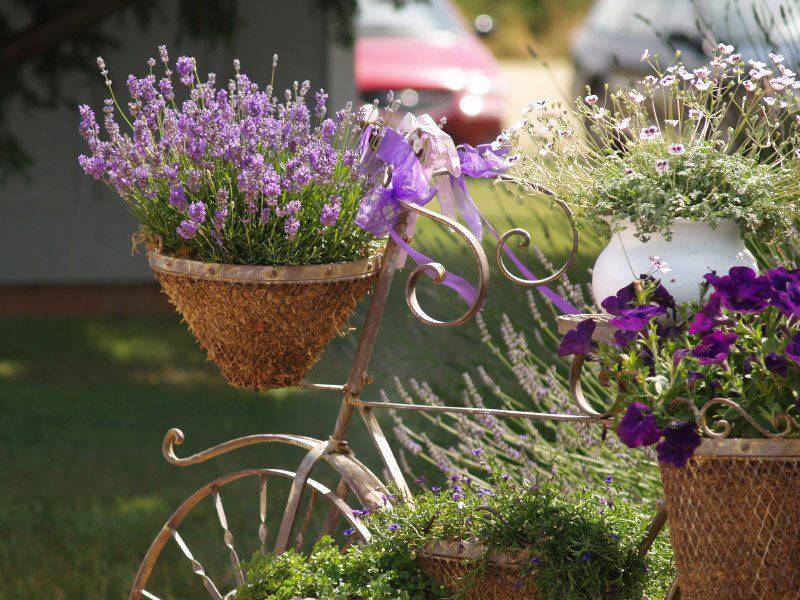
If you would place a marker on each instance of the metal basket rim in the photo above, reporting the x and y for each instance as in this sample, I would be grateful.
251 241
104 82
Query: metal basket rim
261 274
749 447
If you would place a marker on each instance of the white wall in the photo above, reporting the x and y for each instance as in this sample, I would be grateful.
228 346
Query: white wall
58 225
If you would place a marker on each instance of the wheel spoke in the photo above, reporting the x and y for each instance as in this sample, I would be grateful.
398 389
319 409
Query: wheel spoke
262 511
197 567
227 536
295 492
298 544
333 516
150 596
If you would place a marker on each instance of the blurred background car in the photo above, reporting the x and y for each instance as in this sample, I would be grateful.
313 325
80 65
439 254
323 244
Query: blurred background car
433 62
608 46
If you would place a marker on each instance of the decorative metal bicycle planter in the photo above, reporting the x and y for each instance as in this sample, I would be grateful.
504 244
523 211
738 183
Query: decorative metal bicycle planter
354 477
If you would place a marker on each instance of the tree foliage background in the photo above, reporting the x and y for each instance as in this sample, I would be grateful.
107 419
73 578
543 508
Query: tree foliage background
43 42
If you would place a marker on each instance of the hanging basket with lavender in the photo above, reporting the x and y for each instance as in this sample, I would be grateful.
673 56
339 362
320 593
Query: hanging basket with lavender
248 206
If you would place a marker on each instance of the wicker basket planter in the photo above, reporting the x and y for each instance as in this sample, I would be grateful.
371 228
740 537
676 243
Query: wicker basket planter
466 571
734 516
264 327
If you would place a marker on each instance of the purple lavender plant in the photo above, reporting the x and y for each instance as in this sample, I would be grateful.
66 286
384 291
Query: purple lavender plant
529 451
231 173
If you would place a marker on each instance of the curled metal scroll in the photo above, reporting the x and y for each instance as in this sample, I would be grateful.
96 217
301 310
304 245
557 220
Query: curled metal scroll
175 437
721 428
526 241
438 272
576 390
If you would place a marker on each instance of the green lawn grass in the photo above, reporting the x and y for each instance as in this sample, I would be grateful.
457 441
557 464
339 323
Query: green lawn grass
86 401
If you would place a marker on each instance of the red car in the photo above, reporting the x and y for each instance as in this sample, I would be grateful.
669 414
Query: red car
426 54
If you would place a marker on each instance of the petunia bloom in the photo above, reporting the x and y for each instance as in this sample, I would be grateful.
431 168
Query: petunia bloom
623 300
623 338
788 300
780 277
777 363
714 347
793 348
579 340
708 317
680 442
638 427
742 290
692 377
637 318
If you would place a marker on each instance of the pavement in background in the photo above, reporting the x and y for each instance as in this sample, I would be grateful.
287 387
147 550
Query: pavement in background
527 79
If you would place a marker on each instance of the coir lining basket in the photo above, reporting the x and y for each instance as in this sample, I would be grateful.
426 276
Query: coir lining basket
734 518
264 327
476 573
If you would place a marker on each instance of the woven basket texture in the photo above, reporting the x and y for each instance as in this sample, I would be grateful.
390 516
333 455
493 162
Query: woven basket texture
264 335
498 581
735 526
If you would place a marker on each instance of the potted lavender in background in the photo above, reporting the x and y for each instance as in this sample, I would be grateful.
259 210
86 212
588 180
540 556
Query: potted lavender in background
715 389
679 166
247 204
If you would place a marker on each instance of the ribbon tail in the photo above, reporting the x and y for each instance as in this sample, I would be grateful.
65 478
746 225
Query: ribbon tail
560 303
466 206
445 192
460 285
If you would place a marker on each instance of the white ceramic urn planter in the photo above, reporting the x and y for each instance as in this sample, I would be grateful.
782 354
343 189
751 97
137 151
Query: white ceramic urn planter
694 250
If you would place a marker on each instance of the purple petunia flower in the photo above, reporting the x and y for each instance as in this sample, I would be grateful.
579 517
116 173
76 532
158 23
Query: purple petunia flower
742 290
788 300
638 427
679 355
680 442
623 338
780 277
776 363
638 317
708 317
793 348
692 377
714 347
394 527
620 302
349 531
579 341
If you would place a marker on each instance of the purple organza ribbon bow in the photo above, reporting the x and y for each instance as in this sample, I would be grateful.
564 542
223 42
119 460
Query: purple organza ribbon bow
483 162
409 183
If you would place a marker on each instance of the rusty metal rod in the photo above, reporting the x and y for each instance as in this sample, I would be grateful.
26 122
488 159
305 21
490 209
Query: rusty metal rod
499 412
327 387
369 334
